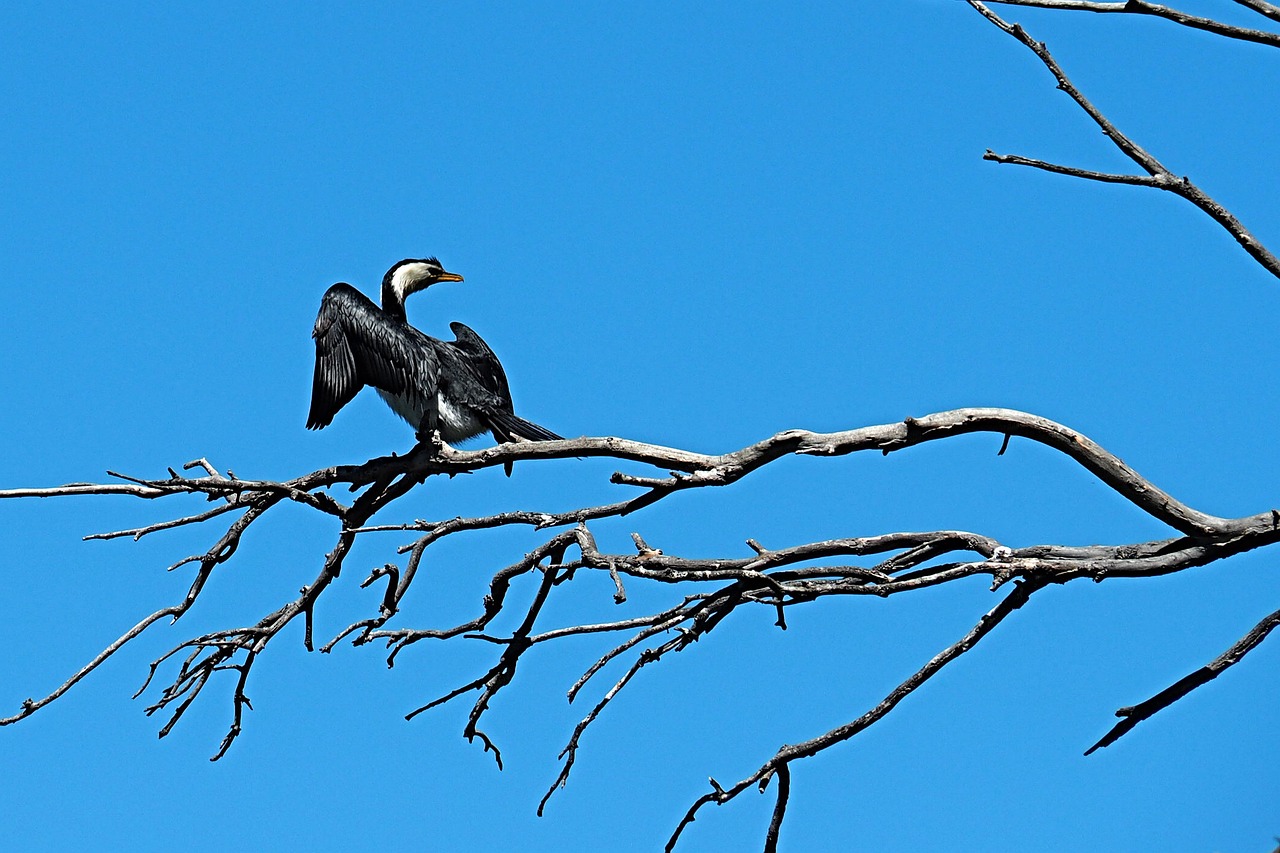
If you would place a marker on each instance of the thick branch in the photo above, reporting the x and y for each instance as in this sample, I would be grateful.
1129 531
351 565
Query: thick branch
778 578
1262 7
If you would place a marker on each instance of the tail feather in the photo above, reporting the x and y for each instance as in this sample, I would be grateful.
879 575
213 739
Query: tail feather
516 428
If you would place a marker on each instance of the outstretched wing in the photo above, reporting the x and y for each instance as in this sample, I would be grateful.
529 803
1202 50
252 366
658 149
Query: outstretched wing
358 345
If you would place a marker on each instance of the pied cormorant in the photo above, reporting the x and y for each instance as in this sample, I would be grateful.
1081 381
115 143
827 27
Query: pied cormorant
457 387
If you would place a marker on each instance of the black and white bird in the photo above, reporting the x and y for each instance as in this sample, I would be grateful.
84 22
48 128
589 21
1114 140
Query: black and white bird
457 387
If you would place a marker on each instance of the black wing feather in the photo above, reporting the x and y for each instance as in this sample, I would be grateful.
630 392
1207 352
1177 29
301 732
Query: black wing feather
494 402
484 361
357 344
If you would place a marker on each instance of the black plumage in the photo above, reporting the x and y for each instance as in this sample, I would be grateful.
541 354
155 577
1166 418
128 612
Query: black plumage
358 344
504 423
458 387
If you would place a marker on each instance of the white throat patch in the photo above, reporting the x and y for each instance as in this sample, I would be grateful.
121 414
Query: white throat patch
405 279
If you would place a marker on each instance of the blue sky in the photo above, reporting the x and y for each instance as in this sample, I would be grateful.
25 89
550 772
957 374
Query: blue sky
688 226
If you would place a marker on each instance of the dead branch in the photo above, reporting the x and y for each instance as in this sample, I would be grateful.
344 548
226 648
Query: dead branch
1157 175
1142 7
878 565
1135 714
1262 7
783 758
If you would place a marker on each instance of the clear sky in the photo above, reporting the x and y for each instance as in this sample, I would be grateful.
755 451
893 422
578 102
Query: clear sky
692 226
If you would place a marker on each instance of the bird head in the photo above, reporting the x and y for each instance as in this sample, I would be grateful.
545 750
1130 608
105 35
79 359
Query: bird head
410 276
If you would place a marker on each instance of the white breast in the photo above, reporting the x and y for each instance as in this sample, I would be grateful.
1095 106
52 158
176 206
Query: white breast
404 407
456 423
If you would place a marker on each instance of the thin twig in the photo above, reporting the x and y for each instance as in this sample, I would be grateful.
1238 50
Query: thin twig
1135 714
1014 600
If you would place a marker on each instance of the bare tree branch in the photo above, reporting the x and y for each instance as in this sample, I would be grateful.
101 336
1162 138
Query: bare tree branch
1160 177
779 809
1142 7
1262 7
1087 174
1208 537
782 578
1019 596
1135 714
